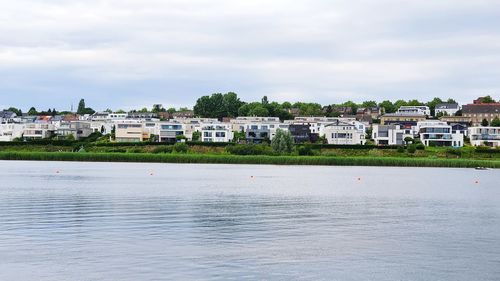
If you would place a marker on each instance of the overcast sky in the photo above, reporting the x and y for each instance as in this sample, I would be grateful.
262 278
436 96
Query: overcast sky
134 53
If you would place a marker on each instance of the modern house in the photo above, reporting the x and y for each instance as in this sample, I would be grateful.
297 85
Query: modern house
489 136
391 134
11 131
169 131
257 132
216 133
415 110
481 111
38 131
8 117
130 131
446 109
405 120
345 132
438 133
78 129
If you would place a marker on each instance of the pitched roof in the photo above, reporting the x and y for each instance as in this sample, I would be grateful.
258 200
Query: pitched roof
481 108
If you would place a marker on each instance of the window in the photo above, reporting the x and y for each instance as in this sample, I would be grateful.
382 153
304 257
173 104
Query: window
220 134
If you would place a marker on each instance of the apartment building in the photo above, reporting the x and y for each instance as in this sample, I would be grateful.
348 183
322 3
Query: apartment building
489 136
345 132
403 119
390 134
38 130
481 111
169 131
446 109
11 131
220 132
130 131
438 133
78 129
415 110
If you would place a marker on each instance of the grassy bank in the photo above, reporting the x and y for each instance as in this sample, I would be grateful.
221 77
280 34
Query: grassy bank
255 159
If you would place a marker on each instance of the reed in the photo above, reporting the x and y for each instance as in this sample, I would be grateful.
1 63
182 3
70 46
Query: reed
251 159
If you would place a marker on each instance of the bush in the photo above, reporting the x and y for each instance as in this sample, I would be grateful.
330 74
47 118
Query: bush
180 147
453 151
249 149
412 148
163 149
305 150
282 142
401 149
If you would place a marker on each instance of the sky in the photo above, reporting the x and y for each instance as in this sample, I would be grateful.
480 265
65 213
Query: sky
125 54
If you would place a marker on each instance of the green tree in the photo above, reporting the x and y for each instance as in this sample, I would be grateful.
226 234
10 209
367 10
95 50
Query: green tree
398 104
231 104
81 107
488 99
388 106
370 103
32 111
143 110
414 103
432 105
352 105
282 142
484 123
196 136
17 111
495 122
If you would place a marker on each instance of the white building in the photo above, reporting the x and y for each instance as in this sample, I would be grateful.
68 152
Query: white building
344 132
390 134
8 117
78 129
11 131
130 131
447 109
417 109
433 132
216 133
38 130
170 131
489 136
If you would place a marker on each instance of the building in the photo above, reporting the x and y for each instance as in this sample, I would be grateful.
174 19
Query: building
216 133
148 116
488 136
170 131
345 132
481 111
446 109
438 133
415 110
405 120
8 117
77 129
369 113
257 132
391 134
34 131
11 131
130 131
183 114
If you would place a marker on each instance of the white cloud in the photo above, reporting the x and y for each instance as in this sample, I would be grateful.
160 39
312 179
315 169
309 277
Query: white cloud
324 51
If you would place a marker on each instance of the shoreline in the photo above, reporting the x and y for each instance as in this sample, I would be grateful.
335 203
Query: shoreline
258 160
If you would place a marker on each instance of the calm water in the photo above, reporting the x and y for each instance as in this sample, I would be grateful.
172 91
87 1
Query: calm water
101 221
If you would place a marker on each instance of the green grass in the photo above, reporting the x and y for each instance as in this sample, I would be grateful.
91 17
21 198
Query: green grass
237 159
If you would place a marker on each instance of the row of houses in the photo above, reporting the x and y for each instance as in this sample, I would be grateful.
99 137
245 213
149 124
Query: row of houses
393 129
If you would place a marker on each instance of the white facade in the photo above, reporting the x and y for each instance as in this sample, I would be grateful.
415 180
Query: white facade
38 130
344 132
390 134
78 130
438 133
489 136
419 109
216 133
447 109
9 132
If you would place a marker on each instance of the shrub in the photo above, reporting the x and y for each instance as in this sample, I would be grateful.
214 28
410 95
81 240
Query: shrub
305 150
401 149
249 149
282 142
180 147
412 148
420 146
163 149
453 151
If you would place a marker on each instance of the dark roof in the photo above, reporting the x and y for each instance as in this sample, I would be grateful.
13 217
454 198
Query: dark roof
447 106
481 108
7 114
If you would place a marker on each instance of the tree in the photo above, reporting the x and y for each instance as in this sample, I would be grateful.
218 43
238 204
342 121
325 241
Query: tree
143 110
81 107
231 104
17 111
352 105
32 111
450 100
398 104
171 110
495 122
282 142
432 105
370 103
484 123
488 99
388 106
196 136
414 103
265 101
